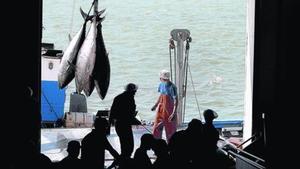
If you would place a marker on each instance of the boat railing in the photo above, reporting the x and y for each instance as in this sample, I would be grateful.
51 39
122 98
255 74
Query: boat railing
245 160
112 159
48 45
255 137
52 53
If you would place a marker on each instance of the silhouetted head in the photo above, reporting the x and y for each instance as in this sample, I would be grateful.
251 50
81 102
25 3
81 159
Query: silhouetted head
131 87
101 124
147 141
195 125
209 115
73 148
160 147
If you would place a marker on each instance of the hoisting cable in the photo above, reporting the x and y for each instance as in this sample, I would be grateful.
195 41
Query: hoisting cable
85 19
72 18
195 92
175 62
171 46
89 10
187 48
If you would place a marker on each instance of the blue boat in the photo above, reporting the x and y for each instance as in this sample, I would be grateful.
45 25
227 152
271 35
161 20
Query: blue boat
52 98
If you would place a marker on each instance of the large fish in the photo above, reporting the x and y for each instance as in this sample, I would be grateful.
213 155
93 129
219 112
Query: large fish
101 73
101 70
66 70
86 61
67 67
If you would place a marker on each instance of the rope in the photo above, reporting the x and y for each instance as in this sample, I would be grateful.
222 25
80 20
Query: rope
90 10
195 92
170 63
50 105
171 46
175 63
146 128
185 80
72 18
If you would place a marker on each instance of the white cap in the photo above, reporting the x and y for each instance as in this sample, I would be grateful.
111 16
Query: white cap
165 74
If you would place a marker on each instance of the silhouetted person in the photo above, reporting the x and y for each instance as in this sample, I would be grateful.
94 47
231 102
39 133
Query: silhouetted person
72 160
211 137
94 144
43 162
141 158
160 148
28 156
211 134
194 143
179 150
122 114
215 157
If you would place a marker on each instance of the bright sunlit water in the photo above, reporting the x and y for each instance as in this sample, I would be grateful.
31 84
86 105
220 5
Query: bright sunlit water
136 35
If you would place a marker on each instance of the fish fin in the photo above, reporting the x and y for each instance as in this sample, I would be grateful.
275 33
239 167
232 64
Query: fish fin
101 12
100 19
90 17
85 16
72 65
70 37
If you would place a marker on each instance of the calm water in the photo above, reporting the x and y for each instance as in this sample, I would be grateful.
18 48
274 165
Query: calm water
136 34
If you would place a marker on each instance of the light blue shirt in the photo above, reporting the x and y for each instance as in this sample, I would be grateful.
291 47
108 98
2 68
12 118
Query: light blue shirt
168 89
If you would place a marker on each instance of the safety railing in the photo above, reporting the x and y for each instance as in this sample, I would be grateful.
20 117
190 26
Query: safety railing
245 160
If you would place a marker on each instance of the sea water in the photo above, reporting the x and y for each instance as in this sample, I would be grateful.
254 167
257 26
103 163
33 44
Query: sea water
136 34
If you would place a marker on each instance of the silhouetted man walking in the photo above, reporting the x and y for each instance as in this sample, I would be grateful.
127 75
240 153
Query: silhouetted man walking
122 114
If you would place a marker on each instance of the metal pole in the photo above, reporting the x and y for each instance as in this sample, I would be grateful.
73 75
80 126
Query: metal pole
180 35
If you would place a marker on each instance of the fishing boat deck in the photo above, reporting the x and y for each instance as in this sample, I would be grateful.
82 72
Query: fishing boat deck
54 141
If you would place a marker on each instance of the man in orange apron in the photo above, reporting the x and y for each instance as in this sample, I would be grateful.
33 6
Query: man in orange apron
166 106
